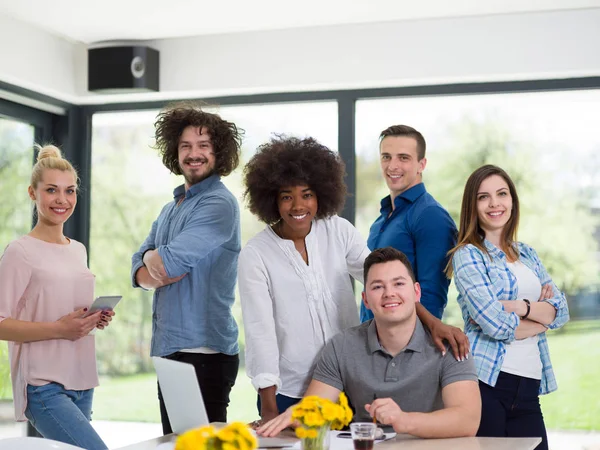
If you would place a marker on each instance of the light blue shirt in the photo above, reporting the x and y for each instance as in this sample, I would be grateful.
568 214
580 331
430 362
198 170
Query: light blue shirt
201 238
482 280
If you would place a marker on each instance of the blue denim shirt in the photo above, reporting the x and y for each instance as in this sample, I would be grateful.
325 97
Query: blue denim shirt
482 280
423 230
200 237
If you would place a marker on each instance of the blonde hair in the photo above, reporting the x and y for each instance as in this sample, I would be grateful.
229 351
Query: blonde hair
50 157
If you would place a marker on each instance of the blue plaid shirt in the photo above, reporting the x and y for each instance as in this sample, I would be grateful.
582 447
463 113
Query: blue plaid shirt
482 281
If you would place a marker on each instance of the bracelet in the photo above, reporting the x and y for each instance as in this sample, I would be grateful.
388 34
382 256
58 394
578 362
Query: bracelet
528 308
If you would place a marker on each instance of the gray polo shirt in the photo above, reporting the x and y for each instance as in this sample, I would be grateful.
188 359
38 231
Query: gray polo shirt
354 362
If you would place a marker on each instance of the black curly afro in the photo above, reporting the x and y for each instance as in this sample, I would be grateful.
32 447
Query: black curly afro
289 161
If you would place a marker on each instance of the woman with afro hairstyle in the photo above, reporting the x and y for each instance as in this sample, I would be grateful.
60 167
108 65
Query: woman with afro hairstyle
293 277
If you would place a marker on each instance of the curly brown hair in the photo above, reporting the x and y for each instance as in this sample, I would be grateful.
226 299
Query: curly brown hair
225 136
290 161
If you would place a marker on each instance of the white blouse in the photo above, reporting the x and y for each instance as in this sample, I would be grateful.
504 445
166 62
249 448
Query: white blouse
522 356
292 309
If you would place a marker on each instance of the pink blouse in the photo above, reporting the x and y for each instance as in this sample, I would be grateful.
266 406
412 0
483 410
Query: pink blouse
41 282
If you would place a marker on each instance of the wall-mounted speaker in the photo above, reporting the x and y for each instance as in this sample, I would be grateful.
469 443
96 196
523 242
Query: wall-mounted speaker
122 69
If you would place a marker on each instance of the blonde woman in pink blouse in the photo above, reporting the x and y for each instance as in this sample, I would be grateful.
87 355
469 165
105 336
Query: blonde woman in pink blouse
45 289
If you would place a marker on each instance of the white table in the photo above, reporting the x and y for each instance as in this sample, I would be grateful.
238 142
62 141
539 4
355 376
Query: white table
405 442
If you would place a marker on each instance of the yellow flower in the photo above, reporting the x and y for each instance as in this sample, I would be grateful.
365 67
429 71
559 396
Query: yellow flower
238 427
235 436
314 419
207 431
298 413
244 438
241 445
226 434
300 432
348 417
191 440
343 400
312 433
310 403
314 412
330 412
250 439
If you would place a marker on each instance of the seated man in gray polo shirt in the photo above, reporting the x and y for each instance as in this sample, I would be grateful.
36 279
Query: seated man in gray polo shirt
389 366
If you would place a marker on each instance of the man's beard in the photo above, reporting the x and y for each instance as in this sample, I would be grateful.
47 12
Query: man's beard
195 179
192 179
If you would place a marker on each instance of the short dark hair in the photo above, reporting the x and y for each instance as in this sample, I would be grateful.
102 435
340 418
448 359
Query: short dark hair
387 254
290 161
405 130
225 136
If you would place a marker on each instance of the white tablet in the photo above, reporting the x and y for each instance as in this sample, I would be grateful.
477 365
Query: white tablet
104 303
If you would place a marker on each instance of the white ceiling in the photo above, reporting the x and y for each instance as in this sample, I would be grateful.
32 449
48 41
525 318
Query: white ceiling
91 21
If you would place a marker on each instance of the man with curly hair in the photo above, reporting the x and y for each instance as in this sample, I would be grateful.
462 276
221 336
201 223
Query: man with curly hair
294 276
413 222
190 256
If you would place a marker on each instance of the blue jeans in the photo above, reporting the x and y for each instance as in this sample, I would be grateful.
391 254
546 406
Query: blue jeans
512 409
63 415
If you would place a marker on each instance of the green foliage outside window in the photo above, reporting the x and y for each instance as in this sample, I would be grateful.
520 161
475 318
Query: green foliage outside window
16 156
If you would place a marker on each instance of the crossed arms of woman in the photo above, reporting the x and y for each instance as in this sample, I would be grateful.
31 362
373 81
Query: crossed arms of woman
503 319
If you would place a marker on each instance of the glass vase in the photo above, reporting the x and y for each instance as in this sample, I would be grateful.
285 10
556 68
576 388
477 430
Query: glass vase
321 442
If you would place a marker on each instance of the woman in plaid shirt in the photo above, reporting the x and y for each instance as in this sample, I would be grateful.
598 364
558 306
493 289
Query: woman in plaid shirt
508 301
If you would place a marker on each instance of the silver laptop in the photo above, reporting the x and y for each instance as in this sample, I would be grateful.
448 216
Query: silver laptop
184 403
181 394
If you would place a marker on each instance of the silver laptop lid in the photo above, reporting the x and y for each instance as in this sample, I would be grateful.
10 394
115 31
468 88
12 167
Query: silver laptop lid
184 403
181 394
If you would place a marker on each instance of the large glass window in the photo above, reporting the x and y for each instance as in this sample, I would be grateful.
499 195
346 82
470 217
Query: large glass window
549 145
129 187
16 157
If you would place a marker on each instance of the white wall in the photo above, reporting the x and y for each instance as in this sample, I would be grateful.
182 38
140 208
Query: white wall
34 59
504 46
500 47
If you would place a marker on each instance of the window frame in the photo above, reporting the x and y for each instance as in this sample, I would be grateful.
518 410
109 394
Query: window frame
73 130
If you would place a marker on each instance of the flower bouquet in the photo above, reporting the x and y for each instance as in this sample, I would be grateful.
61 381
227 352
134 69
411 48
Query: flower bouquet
235 436
317 416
